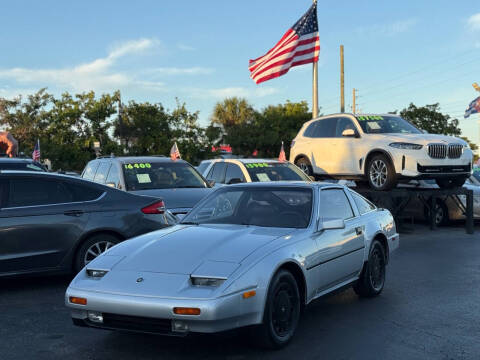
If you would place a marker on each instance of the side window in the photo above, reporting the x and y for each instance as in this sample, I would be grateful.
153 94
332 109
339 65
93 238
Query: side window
233 172
342 125
3 193
34 191
325 128
90 170
310 131
363 205
102 172
81 192
113 176
218 172
334 204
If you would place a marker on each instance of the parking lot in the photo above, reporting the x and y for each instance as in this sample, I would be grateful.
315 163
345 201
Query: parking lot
429 309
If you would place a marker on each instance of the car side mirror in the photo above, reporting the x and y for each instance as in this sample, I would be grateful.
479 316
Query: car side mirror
211 183
349 133
331 224
235 181
111 184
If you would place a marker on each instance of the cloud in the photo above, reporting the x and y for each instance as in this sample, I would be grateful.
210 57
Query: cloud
95 75
392 29
473 22
180 71
221 93
184 47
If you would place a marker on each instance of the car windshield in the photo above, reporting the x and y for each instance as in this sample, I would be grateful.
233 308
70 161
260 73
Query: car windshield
161 175
275 171
386 124
24 166
266 206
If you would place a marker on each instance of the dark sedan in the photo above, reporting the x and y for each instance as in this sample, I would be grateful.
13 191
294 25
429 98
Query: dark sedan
58 223
24 164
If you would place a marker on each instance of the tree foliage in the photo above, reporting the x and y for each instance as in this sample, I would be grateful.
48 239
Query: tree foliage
430 118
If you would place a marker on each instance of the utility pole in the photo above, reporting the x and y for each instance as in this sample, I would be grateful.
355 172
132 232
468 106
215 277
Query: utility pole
315 88
354 108
342 82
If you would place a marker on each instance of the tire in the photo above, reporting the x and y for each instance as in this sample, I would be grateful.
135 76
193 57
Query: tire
282 312
304 164
441 213
450 183
372 279
98 244
381 173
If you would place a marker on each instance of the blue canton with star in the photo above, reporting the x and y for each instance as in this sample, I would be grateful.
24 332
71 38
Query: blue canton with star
308 23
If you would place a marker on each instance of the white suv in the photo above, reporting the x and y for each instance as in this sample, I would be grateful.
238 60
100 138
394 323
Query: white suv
380 149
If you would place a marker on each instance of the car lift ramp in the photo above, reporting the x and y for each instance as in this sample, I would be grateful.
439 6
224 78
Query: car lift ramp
396 200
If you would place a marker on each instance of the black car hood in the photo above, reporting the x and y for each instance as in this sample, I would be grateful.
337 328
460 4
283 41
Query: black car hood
177 198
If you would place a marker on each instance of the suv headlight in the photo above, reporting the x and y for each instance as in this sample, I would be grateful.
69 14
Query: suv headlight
207 281
466 146
408 146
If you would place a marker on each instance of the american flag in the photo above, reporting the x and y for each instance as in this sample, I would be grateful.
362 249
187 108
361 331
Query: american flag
282 157
174 152
36 151
300 45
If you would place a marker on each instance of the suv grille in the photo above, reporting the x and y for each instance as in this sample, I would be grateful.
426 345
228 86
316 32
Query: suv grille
437 151
455 151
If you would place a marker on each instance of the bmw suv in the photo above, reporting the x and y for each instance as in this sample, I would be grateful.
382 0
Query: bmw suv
380 150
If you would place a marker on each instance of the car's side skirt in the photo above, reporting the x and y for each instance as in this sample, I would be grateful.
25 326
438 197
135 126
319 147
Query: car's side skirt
344 283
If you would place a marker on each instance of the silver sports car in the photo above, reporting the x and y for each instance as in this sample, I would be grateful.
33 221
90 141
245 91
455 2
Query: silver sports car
247 254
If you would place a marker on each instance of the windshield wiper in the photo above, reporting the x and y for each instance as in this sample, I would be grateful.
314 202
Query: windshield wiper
189 223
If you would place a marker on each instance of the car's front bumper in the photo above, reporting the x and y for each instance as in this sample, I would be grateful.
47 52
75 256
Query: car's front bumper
155 315
418 164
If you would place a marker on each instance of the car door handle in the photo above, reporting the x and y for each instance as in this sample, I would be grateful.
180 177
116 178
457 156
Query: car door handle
359 230
73 213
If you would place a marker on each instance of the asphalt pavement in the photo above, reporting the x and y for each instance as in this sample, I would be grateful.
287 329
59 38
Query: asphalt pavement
429 309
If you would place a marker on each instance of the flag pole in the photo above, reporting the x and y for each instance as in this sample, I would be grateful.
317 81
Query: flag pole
315 87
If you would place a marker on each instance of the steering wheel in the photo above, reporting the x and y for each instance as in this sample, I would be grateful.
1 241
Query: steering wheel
223 205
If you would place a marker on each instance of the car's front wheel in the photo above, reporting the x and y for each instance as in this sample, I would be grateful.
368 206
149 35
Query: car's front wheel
93 247
381 173
372 279
282 312
450 183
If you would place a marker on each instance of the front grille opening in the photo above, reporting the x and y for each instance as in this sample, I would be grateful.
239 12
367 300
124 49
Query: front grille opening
137 323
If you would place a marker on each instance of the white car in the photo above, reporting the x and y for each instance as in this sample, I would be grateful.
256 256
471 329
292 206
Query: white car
380 149
234 171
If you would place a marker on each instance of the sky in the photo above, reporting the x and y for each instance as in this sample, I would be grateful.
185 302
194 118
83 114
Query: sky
396 52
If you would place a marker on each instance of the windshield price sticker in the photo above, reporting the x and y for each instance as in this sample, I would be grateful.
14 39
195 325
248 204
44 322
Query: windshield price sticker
138 166
370 118
256 165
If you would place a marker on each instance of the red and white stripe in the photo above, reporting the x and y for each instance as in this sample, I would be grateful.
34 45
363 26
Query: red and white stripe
290 51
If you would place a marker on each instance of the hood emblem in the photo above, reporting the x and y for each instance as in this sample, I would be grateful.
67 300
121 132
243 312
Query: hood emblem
139 280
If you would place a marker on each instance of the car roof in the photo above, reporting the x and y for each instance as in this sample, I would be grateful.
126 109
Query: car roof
18 160
247 160
37 173
133 159
296 184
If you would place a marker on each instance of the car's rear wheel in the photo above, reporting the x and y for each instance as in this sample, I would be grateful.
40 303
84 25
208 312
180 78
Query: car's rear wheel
304 164
450 183
372 279
282 312
441 213
381 173
92 248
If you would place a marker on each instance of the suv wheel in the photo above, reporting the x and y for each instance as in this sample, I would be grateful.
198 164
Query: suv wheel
93 247
450 183
305 166
381 173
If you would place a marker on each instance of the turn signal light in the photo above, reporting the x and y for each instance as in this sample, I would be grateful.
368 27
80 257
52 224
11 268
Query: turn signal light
155 208
249 294
77 300
186 311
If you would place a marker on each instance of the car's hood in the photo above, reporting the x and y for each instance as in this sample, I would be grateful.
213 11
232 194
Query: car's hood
422 139
177 198
184 248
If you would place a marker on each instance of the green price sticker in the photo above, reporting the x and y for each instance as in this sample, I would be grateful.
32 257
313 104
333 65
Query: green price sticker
370 118
138 166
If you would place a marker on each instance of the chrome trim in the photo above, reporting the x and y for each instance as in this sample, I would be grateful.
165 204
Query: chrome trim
455 151
437 151
67 203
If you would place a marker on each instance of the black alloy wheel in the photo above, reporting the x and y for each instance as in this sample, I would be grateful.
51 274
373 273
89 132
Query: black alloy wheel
372 278
305 166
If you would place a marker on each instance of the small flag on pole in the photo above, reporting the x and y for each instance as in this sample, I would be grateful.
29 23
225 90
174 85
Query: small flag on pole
300 45
282 156
36 151
473 108
174 152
